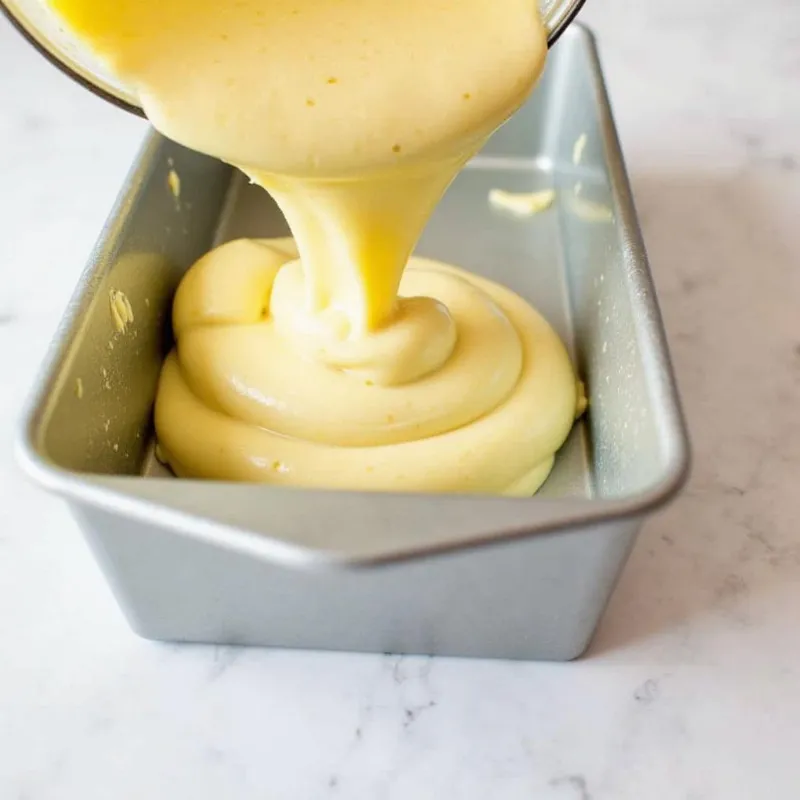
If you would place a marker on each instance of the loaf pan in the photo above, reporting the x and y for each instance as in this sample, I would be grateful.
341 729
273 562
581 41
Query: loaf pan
458 575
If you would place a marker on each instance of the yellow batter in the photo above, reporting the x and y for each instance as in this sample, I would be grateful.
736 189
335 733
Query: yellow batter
337 368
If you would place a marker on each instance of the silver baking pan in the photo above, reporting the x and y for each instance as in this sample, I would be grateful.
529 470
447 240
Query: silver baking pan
430 574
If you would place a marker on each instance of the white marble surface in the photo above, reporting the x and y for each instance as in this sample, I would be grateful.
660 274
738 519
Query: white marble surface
691 690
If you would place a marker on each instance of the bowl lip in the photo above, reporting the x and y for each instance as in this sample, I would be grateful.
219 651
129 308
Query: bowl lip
536 515
63 67
562 23
565 21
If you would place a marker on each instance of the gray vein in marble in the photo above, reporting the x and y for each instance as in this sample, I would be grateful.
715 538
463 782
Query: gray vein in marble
647 693
576 783
223 659
759 154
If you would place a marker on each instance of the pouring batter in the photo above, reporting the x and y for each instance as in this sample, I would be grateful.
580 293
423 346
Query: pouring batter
332 364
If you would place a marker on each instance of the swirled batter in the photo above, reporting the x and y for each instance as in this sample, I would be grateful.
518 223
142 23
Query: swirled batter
469 390
332 364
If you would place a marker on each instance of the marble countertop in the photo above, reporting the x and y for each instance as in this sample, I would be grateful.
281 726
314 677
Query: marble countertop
691 690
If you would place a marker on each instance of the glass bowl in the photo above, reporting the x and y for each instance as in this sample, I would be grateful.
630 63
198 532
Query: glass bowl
42 28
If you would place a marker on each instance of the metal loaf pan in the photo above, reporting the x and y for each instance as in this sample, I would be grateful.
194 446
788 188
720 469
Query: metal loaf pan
446 575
